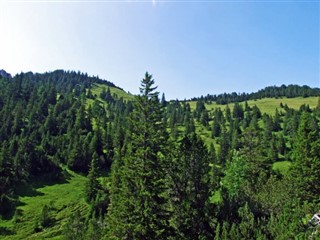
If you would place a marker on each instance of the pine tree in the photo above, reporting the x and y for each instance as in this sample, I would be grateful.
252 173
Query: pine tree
139 204
75 228
93 185
163 100
305 171
191 189
45 219
277 121
238 111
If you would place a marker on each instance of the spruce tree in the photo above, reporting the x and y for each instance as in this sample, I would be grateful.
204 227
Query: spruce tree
139 203
191 190
305 173
93 185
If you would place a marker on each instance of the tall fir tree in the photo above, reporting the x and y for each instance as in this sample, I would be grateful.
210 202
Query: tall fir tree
305 172
191 190
93 185
140 200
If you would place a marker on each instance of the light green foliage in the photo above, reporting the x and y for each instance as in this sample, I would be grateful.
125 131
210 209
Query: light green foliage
61 201
236 175
98 88
266 105
281 166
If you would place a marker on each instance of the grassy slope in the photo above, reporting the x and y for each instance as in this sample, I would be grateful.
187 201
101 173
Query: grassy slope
267 105
97 89
63 199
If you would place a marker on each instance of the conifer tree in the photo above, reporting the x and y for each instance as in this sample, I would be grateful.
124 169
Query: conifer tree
139 203
191 190
93 185
305 172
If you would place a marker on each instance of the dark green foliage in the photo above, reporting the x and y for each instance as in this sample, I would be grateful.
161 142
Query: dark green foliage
289 91
93 185
306 155
225 142
95 229
75 228
45 218
163 100
139 206
238 111
216 129
191 190
188 121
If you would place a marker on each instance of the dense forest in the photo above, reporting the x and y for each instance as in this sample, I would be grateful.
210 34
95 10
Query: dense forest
151 169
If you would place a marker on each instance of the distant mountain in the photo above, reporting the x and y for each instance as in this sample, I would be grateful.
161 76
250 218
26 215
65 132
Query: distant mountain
4 74
65 80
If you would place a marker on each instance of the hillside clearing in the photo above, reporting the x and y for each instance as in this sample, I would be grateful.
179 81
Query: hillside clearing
62 199
266 105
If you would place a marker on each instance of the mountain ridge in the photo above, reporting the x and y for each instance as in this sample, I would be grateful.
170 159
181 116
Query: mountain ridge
289 91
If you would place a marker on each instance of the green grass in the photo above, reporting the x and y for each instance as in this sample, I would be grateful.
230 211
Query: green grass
281 166
266 105
63 199
269 105
97 89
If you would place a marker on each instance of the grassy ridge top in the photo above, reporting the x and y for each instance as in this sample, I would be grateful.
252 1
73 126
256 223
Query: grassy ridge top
98 87
266 105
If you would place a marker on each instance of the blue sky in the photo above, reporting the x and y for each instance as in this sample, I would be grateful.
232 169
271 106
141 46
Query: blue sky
191 48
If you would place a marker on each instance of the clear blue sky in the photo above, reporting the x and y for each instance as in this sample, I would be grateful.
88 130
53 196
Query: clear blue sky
191 48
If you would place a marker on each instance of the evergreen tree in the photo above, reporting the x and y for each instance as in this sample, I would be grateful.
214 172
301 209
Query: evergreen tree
45 219
216 129
191 190
305 172
93 185
139 208
238 111
277 121
228 113
163 100
75 228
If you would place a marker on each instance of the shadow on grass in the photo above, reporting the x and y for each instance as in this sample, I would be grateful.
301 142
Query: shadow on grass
50 179
26 190
29 189
4 231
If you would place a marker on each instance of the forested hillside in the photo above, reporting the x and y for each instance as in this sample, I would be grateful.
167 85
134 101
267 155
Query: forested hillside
82 159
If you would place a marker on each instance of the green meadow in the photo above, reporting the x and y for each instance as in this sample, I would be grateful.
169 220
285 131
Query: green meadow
62 199
266 105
